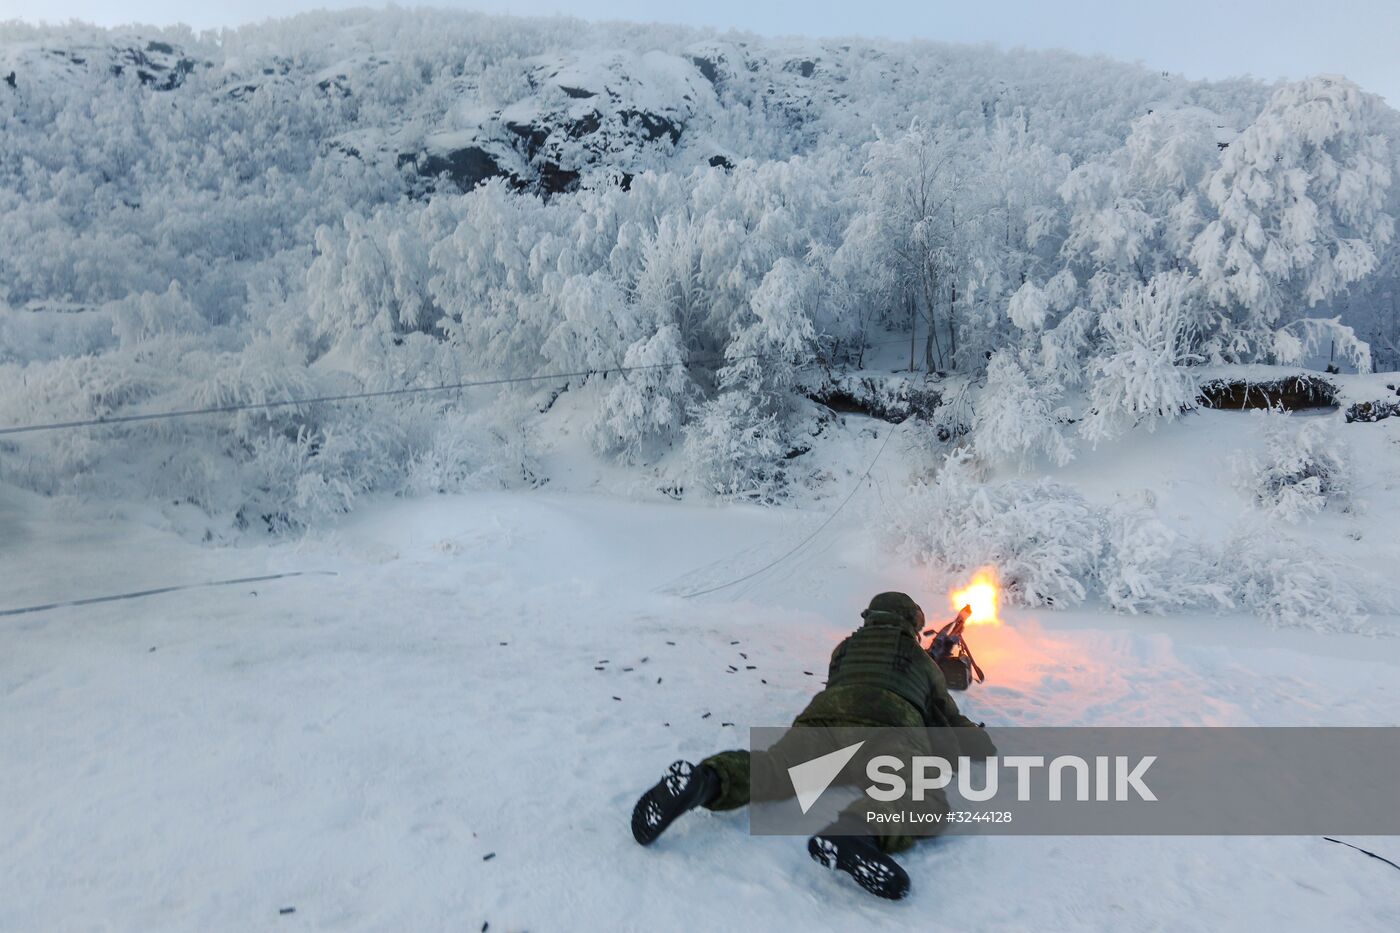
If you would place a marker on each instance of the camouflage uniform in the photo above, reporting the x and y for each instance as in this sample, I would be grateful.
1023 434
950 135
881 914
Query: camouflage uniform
880 676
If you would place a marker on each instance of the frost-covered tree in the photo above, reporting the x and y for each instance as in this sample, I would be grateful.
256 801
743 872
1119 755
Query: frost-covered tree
1301 467
1282 578
738 444
142 316
1044 538
1148 567
647 406
909 226
1009 285
1136 212
1015 420
1139 373
1300 201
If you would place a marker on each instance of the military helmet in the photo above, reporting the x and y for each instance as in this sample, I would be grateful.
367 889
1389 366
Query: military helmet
897 605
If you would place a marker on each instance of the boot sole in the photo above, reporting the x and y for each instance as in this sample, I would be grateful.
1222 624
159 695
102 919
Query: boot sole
875 872
659 807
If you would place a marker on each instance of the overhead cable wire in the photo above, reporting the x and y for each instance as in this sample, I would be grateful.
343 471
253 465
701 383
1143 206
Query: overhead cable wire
382 393
807 540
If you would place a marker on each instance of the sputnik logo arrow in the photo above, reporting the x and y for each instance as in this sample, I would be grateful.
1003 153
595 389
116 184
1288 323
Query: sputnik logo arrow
811 778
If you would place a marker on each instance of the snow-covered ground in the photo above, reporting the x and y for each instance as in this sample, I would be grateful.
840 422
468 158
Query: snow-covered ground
451 731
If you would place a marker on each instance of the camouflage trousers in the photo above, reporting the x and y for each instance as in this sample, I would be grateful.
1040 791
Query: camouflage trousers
741 770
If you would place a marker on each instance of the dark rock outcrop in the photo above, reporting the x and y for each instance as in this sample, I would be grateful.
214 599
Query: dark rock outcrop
557 148
888 398
158 66
586 125
466 167
1373 411
708 69
556 180
336 86
654 126
1291 393
531 137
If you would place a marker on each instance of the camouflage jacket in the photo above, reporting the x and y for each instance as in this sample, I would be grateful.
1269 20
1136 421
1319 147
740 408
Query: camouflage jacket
881 676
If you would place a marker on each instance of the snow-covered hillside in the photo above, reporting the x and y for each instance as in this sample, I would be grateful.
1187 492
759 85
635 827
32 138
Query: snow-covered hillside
379 201
545 103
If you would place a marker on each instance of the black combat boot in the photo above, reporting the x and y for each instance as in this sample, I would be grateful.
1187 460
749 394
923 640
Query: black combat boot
685 787
860 857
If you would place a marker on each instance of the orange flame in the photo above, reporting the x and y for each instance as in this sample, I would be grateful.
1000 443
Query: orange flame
982 595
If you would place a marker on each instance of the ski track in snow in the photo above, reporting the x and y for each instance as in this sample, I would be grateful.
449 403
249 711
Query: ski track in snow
426 741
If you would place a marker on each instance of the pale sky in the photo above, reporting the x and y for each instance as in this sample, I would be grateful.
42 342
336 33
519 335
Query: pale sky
1264 38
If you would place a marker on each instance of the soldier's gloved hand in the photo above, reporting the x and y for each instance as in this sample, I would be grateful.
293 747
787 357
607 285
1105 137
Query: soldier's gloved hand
975 743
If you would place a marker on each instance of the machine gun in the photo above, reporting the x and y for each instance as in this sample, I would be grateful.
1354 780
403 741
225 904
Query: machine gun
950 652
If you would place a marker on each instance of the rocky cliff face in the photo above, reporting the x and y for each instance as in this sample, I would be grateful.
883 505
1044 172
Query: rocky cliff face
435 99
614 113
545 124
155 64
